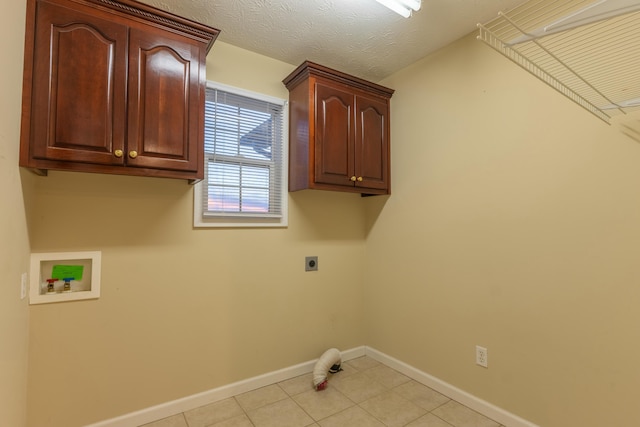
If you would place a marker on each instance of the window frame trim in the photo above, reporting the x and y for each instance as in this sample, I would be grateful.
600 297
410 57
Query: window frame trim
244 219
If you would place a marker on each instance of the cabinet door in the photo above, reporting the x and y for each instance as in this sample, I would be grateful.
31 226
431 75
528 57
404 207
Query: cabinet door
166 91
334 135
79 77
372 143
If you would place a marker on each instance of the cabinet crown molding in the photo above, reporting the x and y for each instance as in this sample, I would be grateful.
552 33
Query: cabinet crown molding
148 14
308 68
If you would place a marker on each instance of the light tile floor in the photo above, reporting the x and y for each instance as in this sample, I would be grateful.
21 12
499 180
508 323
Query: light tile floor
365 394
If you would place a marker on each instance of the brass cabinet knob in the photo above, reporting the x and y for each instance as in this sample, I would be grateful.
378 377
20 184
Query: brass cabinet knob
360 179
353 178
118 153
133 154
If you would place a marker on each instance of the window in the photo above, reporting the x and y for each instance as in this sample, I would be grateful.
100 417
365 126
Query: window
245 175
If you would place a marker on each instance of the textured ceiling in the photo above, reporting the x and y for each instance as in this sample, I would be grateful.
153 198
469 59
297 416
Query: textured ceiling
360 37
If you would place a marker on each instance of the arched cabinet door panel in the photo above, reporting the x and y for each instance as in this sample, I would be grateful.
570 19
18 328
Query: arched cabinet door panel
78 110
371 143
164 102
334 133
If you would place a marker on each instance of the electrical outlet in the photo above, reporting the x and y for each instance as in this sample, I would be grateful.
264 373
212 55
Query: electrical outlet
482 357
311 263
23 286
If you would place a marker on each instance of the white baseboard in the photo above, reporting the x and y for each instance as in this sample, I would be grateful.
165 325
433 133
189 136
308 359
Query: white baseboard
485 408
168 409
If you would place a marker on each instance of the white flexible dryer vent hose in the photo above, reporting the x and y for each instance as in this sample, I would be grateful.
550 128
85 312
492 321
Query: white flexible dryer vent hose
330 361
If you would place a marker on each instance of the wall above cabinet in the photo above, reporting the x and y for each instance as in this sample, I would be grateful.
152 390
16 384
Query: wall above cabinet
113 86
338 132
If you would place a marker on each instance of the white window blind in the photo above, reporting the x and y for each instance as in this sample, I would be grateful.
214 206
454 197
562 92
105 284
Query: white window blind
245 158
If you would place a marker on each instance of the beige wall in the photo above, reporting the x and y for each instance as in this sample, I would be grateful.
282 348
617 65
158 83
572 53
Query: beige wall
14 242
514 224
183 310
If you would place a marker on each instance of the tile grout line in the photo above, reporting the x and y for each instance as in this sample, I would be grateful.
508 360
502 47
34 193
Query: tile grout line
244 411
290 397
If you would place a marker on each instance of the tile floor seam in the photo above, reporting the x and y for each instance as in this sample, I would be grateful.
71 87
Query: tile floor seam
381 422
303 410
443 420
244 411
406 423
184 417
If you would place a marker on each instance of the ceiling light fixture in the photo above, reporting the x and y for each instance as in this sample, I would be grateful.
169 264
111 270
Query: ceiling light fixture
402 7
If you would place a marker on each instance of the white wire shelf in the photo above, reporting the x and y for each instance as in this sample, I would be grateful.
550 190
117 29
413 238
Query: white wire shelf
587 50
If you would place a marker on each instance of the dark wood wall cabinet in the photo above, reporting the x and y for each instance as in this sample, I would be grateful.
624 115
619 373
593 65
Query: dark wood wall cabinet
338 132
113 86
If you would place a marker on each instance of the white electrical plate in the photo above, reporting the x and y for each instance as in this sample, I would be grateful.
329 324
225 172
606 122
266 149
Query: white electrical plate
482 356
42 265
